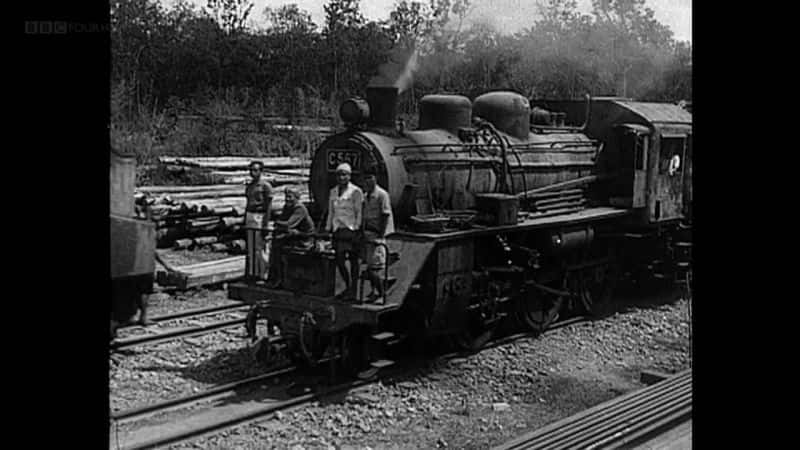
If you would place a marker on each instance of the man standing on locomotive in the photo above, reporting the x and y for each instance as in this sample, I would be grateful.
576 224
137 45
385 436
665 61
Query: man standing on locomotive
292 227
378 223
257 215
344 221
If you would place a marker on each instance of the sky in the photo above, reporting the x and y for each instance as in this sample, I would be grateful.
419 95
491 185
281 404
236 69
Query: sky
507 15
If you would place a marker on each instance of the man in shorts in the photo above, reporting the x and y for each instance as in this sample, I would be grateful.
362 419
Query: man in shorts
378 223
344 221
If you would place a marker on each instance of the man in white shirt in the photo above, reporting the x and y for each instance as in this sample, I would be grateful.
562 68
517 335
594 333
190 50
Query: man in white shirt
344 221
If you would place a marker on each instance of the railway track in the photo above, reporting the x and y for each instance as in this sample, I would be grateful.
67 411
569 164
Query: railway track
619 423
192 313
134 341
238 416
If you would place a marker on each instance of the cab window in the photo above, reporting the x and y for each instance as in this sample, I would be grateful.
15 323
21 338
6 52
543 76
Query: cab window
672 153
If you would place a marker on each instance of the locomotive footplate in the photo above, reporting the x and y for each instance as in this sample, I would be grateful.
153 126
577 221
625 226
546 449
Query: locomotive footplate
330 315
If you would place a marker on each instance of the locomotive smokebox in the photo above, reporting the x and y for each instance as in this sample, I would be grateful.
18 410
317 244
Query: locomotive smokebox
382 102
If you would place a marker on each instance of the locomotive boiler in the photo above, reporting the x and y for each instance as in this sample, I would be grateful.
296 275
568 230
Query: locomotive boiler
504 214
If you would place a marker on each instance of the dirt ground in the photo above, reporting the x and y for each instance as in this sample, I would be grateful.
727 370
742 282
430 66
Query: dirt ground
473 402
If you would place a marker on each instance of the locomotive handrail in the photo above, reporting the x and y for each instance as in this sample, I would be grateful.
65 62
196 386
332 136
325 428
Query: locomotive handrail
468 148
575 143
420 147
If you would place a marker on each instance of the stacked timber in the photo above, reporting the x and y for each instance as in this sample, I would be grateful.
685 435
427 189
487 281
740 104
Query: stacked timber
230 163
194 214
190 216
201 274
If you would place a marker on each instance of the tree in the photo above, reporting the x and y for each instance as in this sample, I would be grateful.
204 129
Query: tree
230 14
342 18
290 19
632 41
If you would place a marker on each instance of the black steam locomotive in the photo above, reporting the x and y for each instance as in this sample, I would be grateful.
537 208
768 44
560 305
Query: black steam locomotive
503 212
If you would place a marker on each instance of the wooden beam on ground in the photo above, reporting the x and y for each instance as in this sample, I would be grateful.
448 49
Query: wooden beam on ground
210 272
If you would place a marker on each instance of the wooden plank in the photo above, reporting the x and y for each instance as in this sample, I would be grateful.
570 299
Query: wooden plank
217 277
208 272
195 267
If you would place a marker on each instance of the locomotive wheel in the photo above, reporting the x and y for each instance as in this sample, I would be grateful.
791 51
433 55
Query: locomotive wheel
539 311
595 288
474 337
480 327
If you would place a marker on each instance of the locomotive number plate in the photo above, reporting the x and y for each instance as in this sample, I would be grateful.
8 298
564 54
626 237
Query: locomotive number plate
336 157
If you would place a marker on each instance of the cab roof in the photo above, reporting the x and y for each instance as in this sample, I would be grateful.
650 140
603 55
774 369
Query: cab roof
657 112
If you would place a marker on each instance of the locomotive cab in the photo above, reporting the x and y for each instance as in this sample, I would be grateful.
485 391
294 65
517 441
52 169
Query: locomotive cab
647 150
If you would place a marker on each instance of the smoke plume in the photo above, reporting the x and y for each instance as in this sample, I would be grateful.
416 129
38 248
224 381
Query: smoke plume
399 70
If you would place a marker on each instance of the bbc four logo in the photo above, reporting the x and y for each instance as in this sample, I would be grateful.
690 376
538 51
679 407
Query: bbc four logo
49 27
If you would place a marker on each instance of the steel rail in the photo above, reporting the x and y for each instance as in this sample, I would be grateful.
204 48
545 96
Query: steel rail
569 427
568 432
172 335
619 425
210 394
620 420
610 412
191 313
239 419
672 420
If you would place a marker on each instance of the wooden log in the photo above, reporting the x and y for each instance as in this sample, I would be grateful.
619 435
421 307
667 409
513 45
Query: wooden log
155 191
232 221
235 163
181 244
204 241
231 192
242 178
204 221
219 247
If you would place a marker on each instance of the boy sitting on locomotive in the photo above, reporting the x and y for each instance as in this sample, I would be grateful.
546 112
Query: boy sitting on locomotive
292 228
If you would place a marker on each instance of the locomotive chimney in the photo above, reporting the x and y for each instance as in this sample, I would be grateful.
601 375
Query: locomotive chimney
382 102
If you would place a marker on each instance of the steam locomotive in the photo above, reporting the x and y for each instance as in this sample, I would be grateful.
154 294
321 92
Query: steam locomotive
504 214
133 242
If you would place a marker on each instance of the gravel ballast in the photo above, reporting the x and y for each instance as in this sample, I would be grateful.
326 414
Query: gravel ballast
475 401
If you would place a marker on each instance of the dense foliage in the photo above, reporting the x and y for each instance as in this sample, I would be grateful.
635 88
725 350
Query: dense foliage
215 60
